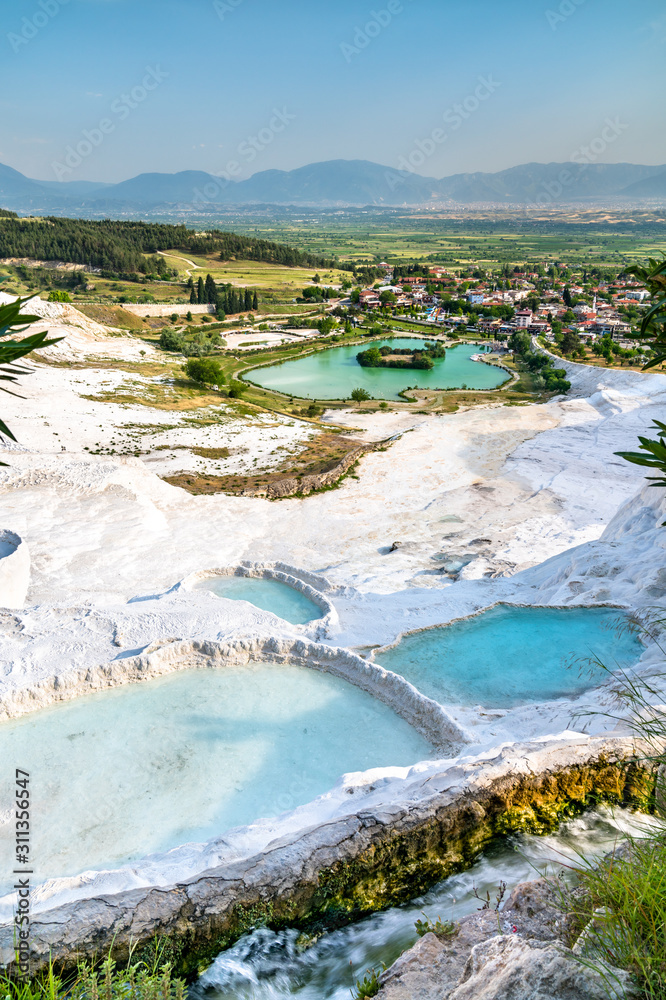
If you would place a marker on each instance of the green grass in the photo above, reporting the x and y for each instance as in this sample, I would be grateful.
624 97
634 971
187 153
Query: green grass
619 908
103 982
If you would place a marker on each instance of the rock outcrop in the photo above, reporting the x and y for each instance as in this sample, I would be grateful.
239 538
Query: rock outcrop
517 954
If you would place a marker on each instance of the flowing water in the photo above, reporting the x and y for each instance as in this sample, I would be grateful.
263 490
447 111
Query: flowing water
332 374
266 966
269 595
146 767
508 656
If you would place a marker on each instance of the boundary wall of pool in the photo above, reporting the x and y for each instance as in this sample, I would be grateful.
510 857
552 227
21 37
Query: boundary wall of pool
304 583
159 658
317 864
377 651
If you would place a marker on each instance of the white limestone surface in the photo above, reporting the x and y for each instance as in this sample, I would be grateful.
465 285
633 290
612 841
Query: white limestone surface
530 501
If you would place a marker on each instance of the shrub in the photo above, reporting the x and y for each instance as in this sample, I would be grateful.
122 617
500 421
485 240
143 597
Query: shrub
60 297
236 389
205 370
171 341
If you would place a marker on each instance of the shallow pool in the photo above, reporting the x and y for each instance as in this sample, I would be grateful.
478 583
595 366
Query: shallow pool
269 595
266 965
508 656
332 374
146 767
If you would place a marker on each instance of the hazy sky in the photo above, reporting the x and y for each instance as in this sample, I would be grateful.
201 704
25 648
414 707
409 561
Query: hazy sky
196 84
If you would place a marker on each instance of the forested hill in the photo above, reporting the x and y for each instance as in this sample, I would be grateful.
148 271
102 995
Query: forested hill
120 246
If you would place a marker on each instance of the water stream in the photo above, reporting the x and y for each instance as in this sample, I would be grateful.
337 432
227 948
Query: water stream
267 966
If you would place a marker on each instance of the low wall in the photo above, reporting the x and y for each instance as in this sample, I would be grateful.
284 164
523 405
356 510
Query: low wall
153 309
375 857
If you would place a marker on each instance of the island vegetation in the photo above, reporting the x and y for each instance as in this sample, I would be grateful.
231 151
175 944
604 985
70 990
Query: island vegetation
402 357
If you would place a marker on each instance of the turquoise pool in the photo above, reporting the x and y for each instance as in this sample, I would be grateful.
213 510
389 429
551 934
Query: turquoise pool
269 595
332 374
146 767
508 656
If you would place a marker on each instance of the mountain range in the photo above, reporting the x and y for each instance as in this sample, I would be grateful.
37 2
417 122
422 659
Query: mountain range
336 183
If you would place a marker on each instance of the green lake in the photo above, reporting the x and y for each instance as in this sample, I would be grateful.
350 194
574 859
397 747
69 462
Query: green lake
332 374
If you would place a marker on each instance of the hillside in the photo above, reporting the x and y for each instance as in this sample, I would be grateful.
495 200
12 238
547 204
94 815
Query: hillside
123 246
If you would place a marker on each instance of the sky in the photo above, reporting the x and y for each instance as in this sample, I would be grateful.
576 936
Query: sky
447 86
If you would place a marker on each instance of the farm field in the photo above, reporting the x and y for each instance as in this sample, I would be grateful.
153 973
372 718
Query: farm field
593 236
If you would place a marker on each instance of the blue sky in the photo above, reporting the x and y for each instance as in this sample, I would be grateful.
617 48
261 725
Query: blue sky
555 72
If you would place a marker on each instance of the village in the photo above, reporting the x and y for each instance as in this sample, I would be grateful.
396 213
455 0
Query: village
548 302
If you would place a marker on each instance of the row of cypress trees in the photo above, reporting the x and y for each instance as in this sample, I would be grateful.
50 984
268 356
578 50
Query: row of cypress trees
227 299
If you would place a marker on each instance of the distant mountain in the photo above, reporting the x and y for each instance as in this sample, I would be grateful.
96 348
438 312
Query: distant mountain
649 187
75 189
15 187
335 183
546 182
160 189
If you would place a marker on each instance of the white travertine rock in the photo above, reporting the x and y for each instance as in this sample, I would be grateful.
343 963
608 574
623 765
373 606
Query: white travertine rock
14 570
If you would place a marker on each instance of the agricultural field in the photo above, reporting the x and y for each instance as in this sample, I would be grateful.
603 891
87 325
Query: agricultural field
277 286
582 236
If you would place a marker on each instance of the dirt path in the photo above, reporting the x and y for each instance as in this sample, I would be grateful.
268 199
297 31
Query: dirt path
163 253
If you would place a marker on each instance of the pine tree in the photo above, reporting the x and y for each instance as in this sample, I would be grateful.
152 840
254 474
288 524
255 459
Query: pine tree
193 297
248 300
201 291
255 301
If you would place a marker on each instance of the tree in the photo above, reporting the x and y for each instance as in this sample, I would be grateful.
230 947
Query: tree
193 298
372 358
236 389
205 370
326 326
60 297
520 342
566 297
360 395
388 298
255 301
12 322
570 342
653 327
201 292
210 290
170 340
653 452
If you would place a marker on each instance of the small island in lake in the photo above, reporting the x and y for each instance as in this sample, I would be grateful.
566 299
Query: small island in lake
400 357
